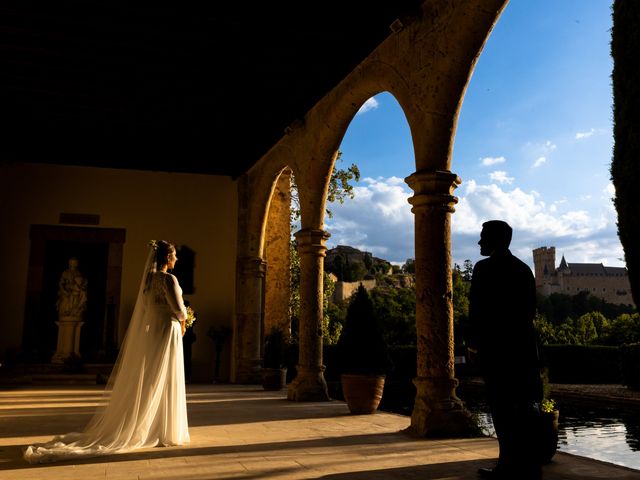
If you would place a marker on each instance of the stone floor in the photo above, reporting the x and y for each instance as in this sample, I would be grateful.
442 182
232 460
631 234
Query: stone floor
243 432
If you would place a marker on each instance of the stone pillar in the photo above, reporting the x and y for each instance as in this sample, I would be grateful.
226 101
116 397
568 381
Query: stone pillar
247 336
309 384
438 411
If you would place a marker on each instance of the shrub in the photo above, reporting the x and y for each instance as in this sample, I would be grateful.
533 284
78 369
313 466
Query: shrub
630 363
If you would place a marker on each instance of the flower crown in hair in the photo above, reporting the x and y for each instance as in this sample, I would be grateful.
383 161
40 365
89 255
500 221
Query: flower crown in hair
153 244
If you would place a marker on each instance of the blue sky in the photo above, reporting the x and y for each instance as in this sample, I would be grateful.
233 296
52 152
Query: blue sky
533 145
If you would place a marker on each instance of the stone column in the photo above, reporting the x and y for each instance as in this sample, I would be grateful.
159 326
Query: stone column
248 319
437 411
309 384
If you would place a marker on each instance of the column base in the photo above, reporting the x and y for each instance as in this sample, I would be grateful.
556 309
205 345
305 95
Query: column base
308 386
438 412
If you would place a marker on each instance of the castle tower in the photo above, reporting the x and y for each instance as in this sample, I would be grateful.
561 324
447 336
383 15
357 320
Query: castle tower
544 262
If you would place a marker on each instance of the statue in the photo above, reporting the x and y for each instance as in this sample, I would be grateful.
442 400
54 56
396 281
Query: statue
72 291
71 305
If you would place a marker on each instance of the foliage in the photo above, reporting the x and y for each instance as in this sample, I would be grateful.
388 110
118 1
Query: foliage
557 307
409 266
461 286
396 310
625 168
361 348
275 349
332 319
630 360
548 405
592 328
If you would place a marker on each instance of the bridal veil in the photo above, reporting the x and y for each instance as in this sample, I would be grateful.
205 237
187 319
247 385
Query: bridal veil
145 399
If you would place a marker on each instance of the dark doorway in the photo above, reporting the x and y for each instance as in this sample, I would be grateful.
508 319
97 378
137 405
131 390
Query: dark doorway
99 252
92 258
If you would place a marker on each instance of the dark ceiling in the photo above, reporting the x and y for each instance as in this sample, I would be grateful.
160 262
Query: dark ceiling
194 87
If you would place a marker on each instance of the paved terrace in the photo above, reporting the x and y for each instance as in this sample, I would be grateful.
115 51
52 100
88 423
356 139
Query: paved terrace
243 432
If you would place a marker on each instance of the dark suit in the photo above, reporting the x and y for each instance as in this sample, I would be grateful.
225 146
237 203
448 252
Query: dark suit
501 311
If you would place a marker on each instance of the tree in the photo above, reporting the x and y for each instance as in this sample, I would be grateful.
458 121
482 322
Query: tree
396 310
340 189
585 330
461 288
409 266
546 331
625 168
467 271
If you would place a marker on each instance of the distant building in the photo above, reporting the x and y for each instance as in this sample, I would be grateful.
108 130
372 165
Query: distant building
608 283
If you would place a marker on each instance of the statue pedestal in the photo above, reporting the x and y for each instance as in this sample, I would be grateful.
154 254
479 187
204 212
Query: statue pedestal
68 338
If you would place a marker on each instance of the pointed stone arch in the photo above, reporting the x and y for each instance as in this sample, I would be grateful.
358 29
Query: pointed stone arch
426 64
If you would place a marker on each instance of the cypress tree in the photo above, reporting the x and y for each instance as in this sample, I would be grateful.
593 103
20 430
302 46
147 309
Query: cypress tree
625 166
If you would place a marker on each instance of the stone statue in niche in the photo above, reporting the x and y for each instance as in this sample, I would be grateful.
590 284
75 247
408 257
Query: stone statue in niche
71 305
72 291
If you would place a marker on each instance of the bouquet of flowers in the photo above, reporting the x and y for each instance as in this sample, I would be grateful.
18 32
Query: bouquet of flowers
191 317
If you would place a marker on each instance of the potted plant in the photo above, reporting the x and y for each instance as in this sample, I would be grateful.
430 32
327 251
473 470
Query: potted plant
549 416
274 370
363 358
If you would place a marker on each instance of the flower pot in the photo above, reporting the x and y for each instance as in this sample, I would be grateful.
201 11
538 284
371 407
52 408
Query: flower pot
548 435
362 392
274 378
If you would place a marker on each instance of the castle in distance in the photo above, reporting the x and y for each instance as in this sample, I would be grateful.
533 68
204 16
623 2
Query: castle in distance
608 283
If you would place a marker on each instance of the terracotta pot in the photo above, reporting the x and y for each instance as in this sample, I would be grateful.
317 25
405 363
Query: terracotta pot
362 392
548 435
274 378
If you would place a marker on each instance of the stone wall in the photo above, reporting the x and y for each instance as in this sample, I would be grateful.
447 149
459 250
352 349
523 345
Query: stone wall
344 290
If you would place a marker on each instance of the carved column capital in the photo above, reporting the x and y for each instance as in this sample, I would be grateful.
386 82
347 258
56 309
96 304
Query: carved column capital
433 190
311 241
252 267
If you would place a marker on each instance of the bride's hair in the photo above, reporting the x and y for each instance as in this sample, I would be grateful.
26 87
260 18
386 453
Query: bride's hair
163 250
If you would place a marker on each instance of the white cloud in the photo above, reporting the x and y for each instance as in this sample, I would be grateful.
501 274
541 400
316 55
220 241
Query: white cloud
488 161
379 220
539 162
500 176
610 190
370 104
583 135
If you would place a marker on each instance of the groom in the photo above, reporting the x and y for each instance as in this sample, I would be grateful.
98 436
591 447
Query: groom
501 311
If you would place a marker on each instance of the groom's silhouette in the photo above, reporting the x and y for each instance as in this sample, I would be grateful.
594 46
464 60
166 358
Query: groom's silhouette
501 311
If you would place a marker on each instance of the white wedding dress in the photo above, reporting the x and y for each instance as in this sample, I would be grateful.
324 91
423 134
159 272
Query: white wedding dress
145 395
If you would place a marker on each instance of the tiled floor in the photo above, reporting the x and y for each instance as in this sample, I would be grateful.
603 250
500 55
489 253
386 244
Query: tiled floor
243 432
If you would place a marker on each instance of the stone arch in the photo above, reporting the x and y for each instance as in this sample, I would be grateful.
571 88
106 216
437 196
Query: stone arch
256 189
426 65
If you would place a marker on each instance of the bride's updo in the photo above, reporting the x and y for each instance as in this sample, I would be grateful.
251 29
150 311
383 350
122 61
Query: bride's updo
163 250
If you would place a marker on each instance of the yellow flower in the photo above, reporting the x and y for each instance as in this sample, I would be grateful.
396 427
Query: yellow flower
191 317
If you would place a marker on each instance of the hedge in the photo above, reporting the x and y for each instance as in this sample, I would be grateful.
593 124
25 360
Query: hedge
630 361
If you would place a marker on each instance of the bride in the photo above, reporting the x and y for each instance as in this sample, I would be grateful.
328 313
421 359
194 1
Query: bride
146 400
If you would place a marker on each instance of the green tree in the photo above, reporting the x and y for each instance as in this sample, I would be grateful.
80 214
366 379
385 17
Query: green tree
461 288
467 270
625 167
566 333
396 310
546 330
340 189
585 330
624 329
409 266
